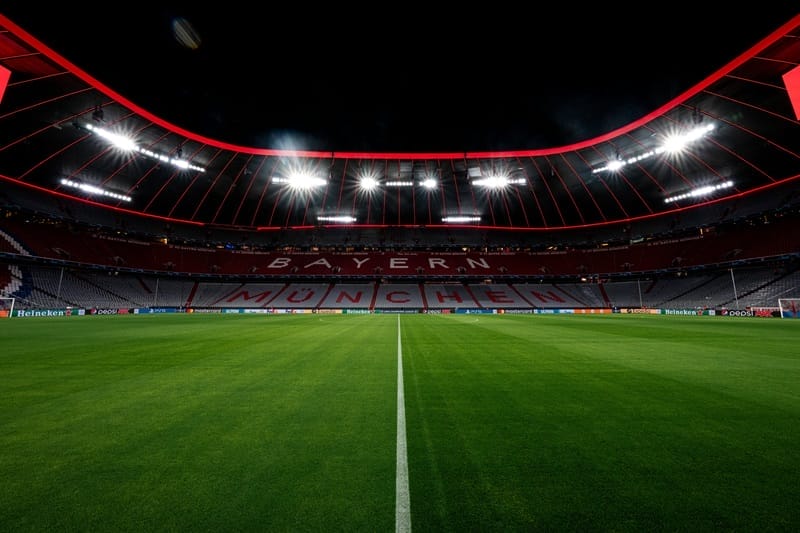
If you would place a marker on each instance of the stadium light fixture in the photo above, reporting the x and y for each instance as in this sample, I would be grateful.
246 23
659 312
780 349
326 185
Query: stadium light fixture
498 182
461 219
368 183
301 181
94 190
337 218
672 144
699 191
121 142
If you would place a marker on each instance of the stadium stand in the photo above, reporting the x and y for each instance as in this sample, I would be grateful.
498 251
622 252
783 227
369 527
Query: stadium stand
564 233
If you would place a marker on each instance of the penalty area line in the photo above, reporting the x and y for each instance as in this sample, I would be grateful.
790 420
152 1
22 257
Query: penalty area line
402 516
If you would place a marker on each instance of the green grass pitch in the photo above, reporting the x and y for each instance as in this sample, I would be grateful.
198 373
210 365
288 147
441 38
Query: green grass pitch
289 423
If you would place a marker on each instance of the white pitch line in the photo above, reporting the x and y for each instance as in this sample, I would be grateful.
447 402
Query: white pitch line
402 517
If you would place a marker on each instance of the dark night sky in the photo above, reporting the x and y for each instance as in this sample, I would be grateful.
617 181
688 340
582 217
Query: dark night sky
399 80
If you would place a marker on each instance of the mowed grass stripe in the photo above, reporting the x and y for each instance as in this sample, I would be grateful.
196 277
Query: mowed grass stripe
602 423
190 422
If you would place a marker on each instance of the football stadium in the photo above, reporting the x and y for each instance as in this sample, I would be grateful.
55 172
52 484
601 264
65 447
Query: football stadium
204 336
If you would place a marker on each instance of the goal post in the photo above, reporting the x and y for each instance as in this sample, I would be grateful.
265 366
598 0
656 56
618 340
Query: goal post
6 306
790 307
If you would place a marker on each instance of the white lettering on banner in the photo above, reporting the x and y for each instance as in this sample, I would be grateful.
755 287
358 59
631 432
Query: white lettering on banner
433 262
475 263
360 262
279 262
398 262
39 312
321 261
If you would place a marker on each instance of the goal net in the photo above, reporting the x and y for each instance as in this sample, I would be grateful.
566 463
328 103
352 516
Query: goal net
6 306
790 307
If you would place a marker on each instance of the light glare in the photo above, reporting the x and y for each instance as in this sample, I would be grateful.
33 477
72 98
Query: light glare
700 191
461 219
94 190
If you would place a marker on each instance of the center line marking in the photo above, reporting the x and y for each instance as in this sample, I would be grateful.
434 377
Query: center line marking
402 517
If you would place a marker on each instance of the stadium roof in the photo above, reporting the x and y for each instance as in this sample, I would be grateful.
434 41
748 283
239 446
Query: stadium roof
59 126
